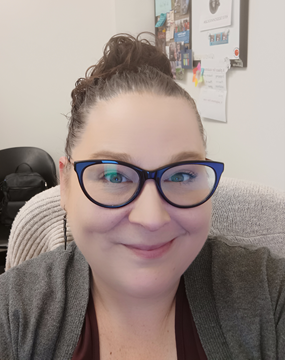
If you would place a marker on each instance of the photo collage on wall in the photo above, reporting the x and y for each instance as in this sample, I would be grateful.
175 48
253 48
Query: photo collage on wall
173 35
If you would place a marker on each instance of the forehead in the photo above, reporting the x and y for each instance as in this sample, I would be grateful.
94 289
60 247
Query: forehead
151 129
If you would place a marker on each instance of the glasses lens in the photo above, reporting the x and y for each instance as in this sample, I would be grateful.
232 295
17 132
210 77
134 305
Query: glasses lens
110 184
189 184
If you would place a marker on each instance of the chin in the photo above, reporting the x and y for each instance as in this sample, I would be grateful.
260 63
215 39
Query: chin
151 286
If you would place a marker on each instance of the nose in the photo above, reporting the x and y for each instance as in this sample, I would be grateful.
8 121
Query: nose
148 208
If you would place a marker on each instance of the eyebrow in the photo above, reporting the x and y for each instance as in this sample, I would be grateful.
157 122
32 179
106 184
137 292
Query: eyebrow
187 155
110 155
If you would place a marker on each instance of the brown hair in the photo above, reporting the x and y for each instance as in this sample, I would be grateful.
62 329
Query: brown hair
128 65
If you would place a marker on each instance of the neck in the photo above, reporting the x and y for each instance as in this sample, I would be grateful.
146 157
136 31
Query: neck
132 314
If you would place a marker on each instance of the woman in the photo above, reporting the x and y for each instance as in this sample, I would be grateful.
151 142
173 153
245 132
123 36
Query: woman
141 280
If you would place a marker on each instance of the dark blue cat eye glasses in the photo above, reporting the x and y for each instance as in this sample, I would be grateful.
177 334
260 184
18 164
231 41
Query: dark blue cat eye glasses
114 184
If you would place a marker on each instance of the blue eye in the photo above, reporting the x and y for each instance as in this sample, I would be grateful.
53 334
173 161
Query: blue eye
182 177
114 177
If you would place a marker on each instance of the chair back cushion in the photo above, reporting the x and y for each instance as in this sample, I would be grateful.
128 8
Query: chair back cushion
37 228
246 213
249 213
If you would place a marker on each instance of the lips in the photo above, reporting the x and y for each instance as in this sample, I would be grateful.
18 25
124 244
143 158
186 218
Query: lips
150 252
146 247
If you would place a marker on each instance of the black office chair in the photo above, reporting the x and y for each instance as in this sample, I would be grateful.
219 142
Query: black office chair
39 160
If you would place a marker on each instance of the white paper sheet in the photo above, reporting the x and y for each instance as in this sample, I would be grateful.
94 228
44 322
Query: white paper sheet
221 17
170 26
212 104
212 100
215 73
162 7
167 50
170 32
170 17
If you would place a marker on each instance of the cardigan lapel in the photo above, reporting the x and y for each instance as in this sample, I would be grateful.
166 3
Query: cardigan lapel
199 291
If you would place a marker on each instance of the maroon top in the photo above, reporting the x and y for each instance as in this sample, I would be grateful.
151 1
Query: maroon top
188 344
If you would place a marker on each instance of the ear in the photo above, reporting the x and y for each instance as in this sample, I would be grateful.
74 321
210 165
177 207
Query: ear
63 162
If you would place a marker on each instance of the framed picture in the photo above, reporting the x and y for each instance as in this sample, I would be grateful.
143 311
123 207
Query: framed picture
219 29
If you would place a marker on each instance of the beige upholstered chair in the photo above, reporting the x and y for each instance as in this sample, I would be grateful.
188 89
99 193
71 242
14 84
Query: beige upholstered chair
244 212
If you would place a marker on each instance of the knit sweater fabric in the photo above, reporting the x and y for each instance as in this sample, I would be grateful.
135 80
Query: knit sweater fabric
236 295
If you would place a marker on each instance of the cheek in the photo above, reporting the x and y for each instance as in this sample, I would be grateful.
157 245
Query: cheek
197 221
86 218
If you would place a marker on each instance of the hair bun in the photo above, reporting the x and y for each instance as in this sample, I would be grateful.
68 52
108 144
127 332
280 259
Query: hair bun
124 52
128 65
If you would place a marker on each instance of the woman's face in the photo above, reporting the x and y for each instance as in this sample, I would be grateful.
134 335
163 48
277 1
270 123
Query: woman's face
148 131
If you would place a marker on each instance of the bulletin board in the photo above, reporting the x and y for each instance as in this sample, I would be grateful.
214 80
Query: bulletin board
208 36
202 29
219 30
173 34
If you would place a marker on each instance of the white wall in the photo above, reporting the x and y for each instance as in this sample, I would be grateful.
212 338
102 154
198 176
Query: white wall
252 142
134 16
47 45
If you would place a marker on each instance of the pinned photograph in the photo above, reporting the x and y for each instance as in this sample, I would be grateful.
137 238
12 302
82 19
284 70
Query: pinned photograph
172 51
219 38
181 32
179 49
184 6
177 6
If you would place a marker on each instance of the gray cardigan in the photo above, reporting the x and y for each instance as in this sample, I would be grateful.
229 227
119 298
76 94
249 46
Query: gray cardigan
236 295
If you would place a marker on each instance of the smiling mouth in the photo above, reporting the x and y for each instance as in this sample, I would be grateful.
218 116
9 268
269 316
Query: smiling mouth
146 247
150 252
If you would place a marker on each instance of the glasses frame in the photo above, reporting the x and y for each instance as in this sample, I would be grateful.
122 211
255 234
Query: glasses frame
80 166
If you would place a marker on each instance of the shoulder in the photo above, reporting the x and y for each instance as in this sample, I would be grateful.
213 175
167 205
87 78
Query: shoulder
248 277
45 269
41 295
239 258
241 276
244 263
245 287
49 273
